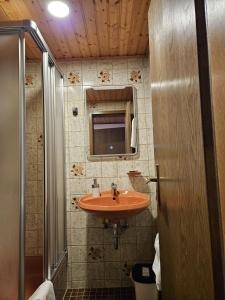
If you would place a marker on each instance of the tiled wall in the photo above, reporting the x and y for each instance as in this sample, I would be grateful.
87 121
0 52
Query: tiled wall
34 160
93 262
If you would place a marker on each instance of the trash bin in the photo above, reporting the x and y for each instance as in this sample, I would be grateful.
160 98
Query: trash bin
144 282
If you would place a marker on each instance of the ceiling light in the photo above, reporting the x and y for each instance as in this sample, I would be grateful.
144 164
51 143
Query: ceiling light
58 9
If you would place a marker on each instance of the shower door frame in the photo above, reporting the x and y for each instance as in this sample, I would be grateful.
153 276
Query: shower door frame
19 28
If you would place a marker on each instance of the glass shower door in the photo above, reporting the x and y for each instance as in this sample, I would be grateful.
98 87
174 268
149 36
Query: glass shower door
59 167
34 178
55 220
12 165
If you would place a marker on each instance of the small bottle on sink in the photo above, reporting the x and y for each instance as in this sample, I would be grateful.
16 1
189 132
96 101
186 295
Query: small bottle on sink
95 189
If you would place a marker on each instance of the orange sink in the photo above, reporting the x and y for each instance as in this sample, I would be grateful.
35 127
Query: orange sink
126 204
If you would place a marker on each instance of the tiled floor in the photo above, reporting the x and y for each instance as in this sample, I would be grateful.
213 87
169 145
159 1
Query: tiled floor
100 294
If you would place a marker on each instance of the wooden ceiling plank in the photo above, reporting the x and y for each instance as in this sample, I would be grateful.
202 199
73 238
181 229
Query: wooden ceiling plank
101 10
123 13
73 44
61 37
51 36
114 26
137 26
3 16
126 21
143 43
135 19
56 25
21 10
89 16
79 28
133 37
8 10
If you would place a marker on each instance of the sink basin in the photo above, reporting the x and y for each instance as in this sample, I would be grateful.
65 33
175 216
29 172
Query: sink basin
126 204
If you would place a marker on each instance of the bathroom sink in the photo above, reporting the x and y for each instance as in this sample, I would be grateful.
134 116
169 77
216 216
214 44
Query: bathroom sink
125 204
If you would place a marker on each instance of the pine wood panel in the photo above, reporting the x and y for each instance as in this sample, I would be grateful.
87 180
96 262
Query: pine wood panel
185 244
216 42
94 28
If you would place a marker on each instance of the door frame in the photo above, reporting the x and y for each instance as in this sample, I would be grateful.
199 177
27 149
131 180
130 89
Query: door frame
213 195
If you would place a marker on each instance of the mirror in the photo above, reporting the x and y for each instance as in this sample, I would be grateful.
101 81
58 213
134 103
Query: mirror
112 121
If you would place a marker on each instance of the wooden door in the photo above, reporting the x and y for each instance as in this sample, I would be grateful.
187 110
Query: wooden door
184 150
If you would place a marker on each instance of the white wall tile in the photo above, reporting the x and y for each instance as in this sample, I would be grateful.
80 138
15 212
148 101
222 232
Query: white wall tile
78 237
112 270
128 252
74 93
78 219
124 167
93 169
110 254
77 154
109 169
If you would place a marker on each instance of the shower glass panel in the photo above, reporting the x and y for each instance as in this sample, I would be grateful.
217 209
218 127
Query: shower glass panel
34 167
11 155
59 166
55 176
50 229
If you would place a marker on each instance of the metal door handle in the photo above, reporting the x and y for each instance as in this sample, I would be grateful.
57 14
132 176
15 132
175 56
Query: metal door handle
157 180
151 179
158 185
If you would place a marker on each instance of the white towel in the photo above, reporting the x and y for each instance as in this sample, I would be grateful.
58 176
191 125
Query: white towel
44 292
133 142
156 264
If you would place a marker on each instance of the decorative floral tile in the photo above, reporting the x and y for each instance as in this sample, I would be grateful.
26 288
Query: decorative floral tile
126 269
74 77
29 80
95 253
75 202
135 76
104 76
77 170
40 139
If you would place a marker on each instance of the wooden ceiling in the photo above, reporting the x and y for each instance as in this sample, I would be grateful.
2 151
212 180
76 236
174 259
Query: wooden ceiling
94 28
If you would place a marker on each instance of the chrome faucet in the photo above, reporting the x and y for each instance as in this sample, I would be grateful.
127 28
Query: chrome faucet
114 190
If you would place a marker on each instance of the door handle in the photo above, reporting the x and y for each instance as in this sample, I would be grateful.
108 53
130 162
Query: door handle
158 185
151 179
157 180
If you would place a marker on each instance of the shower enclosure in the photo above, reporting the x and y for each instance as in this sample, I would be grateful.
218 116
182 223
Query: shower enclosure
32 194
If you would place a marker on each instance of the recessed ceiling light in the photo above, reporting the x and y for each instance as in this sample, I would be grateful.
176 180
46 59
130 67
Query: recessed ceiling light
58 9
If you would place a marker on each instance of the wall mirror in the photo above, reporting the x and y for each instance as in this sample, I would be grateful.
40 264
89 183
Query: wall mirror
112 119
